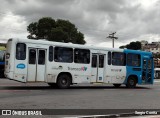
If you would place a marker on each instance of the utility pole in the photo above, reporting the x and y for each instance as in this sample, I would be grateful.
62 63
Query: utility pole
111 36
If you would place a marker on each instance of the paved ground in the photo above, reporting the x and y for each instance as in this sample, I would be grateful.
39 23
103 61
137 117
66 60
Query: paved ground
15 95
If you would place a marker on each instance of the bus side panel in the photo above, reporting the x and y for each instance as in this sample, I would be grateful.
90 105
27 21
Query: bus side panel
80 73
20 70
51 73
115 74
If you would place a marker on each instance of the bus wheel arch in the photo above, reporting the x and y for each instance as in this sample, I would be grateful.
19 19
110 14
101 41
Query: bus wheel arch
132 81
64 80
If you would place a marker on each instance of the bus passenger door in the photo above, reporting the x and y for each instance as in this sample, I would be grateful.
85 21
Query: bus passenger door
97 67
100 76
147 71
41 65
32 66
36 65
94 68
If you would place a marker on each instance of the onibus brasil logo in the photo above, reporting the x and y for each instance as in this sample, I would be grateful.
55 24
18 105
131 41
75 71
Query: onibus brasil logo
78 69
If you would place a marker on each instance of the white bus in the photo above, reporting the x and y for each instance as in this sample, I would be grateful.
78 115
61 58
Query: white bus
64 64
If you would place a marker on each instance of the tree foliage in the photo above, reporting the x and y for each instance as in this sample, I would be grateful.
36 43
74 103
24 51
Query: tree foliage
132 45
59 30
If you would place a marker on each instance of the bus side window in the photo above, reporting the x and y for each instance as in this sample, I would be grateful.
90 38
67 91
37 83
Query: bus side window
21 51
50 53
118 58
82 56
109 58
133 59
63 54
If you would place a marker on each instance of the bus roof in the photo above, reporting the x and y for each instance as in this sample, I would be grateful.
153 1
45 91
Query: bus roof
138 51
45 42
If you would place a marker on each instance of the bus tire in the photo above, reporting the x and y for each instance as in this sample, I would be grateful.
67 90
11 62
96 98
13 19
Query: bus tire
64 81
117 85
53 85
131 83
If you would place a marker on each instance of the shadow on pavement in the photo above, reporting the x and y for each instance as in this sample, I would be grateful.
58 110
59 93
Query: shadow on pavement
71 88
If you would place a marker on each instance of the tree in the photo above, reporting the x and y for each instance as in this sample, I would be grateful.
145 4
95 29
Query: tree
58 35
59 30
32 28
44 27
132 45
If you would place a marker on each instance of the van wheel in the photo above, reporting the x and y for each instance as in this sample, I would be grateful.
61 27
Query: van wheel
64 81
131 83
117 85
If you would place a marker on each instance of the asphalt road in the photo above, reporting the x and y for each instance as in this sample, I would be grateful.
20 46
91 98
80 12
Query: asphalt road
15 95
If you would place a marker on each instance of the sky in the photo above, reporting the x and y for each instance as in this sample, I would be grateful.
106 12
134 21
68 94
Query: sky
132 20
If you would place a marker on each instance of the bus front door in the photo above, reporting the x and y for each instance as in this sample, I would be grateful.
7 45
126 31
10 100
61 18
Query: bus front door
98 67
36 65
147 71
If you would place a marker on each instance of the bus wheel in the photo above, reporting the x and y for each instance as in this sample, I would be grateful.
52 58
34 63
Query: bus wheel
54 85
131 83
117 85
64 81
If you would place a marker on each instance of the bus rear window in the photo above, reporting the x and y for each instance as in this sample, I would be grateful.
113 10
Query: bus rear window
21 51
